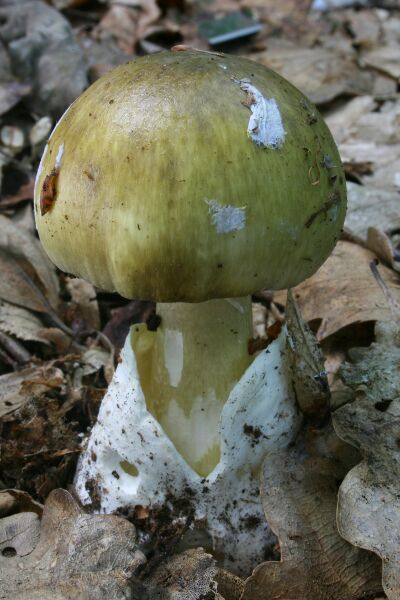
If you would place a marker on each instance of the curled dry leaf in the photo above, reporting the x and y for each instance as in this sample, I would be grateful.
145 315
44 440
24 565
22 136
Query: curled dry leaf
368 206
307 365
16 501
84 303
344 291
381 245
76 556
259 313
92 360
369 497
299 490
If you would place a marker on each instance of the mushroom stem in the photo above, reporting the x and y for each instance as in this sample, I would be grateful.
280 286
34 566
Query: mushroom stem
188 368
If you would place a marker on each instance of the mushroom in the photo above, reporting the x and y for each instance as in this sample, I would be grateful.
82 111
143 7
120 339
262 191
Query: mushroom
192 179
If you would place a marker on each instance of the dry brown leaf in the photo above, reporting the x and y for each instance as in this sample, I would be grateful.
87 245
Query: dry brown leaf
299 490
372 138
344 291
379 243
365 27
15 501
371 206
384 58
342 121
126 25
84 302
18 388
25 192
18 247
92 360
369 497
320 73
77 556
21 323
62 342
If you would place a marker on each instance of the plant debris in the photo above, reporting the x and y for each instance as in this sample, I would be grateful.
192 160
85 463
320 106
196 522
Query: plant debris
69 554
59 337
368 502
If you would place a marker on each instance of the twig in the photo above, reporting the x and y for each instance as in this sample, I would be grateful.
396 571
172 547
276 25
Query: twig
14 348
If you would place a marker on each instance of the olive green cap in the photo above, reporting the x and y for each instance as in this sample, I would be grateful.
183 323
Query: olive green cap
185 176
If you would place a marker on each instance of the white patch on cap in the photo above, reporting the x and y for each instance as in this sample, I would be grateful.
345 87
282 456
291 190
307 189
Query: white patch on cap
265 126
60 153
226 218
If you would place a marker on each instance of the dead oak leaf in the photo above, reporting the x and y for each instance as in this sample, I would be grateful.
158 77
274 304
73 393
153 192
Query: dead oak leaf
76 556
322 74
299 490
127 24
369 497
344 291
28 278
21 323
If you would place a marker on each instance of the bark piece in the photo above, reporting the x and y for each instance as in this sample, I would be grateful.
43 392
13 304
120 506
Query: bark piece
369 497
77 556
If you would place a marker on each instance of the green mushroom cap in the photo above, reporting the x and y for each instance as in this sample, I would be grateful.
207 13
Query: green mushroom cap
186 176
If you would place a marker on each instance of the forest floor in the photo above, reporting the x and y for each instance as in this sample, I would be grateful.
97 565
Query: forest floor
60 339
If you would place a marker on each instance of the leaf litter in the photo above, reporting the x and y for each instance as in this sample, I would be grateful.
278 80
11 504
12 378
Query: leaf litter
59 338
